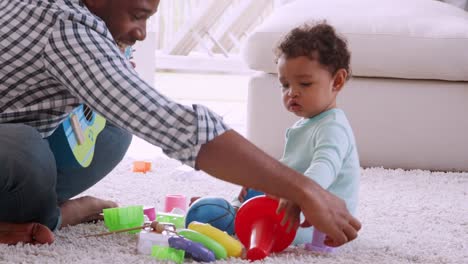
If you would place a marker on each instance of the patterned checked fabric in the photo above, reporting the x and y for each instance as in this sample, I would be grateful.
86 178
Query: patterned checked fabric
55 54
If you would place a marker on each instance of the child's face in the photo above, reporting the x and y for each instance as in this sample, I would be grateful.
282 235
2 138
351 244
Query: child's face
308 87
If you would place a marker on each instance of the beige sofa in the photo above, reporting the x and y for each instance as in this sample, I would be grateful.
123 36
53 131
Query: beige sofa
408 99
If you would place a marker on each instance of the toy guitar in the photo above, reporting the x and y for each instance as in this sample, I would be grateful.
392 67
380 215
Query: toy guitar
73 141
81 130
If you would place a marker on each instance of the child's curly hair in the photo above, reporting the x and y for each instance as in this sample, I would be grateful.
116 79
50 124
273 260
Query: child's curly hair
317 41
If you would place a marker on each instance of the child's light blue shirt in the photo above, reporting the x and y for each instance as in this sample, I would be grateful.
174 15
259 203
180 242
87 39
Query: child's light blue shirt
324 149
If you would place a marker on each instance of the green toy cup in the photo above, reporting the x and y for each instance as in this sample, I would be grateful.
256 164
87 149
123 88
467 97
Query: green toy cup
124 217
168 253
176 219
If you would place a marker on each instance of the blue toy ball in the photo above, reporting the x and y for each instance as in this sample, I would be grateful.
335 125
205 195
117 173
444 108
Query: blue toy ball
251 193
214 211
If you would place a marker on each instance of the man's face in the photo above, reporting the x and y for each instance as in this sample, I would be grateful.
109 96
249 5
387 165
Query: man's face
125 19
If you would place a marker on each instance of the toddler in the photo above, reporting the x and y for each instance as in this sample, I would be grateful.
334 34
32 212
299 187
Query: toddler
313 65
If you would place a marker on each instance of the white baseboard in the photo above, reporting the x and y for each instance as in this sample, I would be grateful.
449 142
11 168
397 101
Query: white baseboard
196 62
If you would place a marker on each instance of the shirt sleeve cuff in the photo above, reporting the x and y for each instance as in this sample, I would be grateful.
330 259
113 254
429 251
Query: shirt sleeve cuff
209 125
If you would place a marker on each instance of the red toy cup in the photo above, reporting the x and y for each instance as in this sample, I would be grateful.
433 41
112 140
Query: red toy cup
259 230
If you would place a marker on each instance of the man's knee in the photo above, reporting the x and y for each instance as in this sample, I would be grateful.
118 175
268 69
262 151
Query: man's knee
24 156
118 139
111 146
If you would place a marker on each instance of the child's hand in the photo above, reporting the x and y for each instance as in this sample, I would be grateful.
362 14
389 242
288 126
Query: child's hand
305 224
242 194
193 199
291 214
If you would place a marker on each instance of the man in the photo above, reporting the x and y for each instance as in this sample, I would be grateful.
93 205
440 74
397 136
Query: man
58 54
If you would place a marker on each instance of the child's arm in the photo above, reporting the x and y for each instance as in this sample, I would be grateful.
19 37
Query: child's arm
329 152
330 148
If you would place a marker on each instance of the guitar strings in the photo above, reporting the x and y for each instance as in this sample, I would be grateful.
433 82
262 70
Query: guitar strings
88 112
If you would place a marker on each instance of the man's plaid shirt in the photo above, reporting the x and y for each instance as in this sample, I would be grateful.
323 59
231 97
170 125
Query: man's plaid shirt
55 55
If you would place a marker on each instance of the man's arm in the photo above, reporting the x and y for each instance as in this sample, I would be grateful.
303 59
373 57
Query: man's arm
232 158
88 65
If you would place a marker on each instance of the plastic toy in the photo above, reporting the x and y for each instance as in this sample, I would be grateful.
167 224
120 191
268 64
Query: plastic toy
317 244
141 166
212 210
259 230
176 219
175 201
194 249
168 253
232 246
124 218
150 212
251 193
76 137
218 250
146 241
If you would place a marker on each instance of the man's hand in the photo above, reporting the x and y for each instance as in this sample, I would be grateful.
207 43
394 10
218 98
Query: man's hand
329 214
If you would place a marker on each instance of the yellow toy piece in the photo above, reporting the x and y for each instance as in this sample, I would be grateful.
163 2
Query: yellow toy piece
232 246
211 244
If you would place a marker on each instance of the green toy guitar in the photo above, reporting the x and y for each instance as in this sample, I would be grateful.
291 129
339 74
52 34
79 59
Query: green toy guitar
81 129
73 142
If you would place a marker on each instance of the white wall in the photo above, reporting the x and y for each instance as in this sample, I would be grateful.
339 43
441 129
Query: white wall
144 57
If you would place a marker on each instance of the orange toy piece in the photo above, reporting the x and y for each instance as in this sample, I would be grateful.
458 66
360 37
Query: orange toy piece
141 166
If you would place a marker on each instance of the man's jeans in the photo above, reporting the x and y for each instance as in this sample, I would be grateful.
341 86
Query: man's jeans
33 183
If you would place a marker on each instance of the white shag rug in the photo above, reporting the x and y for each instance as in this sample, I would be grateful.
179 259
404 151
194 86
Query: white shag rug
407 216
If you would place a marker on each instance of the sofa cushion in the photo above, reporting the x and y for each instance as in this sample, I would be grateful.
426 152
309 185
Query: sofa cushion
411 39
463 4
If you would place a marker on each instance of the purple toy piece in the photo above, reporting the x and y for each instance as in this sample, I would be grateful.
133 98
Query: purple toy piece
317 244
196 250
